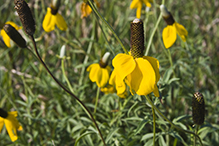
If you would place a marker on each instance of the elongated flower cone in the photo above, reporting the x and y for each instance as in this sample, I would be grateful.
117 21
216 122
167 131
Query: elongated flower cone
198 108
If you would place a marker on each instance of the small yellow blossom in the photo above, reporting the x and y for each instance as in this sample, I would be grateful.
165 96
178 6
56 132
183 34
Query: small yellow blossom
137 4
173 28
99 72
140 74
4 35
11 124
50 20
86 9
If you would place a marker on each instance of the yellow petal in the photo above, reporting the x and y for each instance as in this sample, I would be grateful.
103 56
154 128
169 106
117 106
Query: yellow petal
147 3
60 22
169 36
138 12
12 125
6 38
108 89
124 64
135 4
49 21
93 69
156 92
181 31
85 10
155 64
14 25
1 123
143 78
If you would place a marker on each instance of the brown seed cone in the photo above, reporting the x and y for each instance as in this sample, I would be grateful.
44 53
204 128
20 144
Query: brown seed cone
169 20
198 108
3 113
55 6
137 39
15 35
25 15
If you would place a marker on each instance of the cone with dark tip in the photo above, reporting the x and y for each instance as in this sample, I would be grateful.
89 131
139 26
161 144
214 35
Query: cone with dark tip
15 35
198 108
3 113
25 15
137 38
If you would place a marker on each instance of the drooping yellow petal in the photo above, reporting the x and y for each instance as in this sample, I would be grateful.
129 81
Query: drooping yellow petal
85 10
93 69
1 123
12 125
124 64
143 78
14 25
6 38
155 64
60 22
119 85
169 35
108 89
156 92
147 3
138 12
49 21
181 31
134 4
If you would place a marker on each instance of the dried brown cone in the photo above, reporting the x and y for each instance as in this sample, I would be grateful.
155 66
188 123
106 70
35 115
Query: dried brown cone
15 35
55 6
198 108
137 38
25 15
3 113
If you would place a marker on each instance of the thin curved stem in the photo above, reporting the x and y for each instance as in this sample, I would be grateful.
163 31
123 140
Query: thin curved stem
66 90
97 98
66 79
107 24
173 125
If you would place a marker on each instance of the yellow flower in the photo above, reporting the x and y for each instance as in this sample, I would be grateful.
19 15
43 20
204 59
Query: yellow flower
99 72
51 19
140 74
4 35
86 9
11 123
137 4
173 28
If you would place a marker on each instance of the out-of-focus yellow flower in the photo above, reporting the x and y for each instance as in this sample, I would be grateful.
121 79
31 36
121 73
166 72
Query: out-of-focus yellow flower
137 4
4 35
173 28
99 72
86 9
11 123
53 18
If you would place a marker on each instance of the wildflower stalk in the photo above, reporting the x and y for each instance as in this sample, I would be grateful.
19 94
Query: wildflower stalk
65 77
66 90
153 32
173 125
196 131
107 24
154 124
171 62
97 98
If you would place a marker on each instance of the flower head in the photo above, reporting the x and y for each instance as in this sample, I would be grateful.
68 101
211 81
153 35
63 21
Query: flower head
4 35
53 18
86 9
99 72
137 4
173 28
11 123
139 72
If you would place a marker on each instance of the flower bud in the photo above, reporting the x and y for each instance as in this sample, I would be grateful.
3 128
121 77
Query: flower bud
137 38
55 6
62 51
25 15
15 35
104 61
167 16
198 108
3 113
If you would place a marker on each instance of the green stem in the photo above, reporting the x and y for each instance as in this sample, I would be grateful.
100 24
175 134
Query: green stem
154 126
65 77
196 131
171 62
173 125
97 98
107 24
66 90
